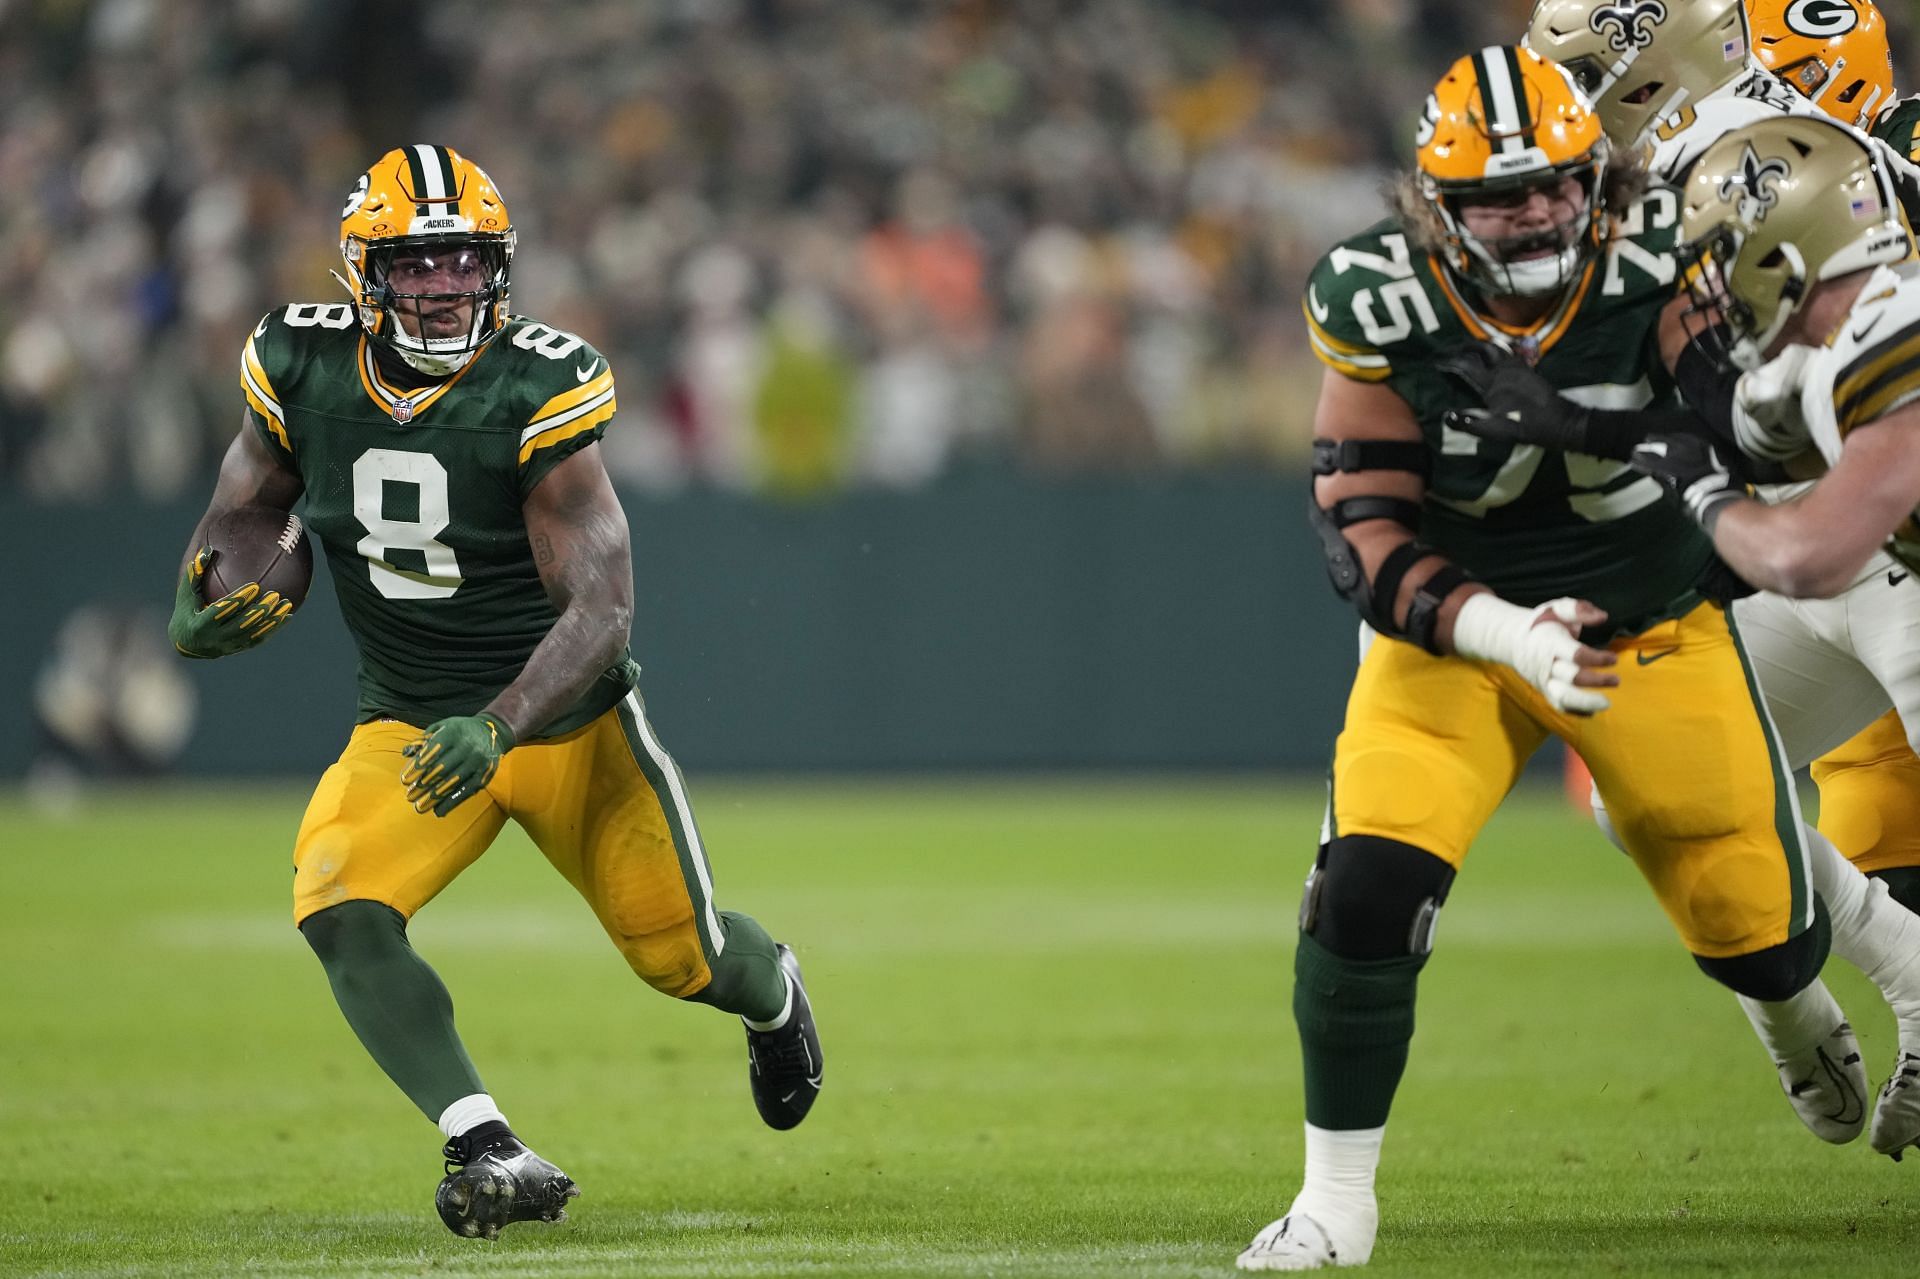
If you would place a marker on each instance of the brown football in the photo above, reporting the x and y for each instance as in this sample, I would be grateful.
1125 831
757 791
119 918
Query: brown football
259 544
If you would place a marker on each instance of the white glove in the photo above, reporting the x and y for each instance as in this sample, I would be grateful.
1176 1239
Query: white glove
1539 643
1767 422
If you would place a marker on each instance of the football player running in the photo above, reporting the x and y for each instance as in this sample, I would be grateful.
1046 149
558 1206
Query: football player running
1796 241
1460 555
1670 79
446 452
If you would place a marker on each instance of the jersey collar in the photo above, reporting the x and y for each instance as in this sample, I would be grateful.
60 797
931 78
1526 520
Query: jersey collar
1530 341
404 405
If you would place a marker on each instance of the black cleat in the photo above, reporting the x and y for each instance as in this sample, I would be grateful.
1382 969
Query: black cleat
493 1181
786 1064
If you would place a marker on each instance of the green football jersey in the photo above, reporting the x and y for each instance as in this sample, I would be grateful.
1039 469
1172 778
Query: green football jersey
1899 128
414 493
1531 523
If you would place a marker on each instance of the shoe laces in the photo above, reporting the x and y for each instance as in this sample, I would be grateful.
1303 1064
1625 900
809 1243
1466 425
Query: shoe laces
463 1150
783 1053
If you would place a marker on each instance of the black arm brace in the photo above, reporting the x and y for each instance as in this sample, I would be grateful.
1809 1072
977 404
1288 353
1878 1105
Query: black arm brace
1375 600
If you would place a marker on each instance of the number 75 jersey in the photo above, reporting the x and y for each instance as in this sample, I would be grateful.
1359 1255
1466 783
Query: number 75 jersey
414 492
1531 523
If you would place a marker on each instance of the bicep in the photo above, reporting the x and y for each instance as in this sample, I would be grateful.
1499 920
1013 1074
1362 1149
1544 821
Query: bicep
250 475
1351 410
1874 486
578 531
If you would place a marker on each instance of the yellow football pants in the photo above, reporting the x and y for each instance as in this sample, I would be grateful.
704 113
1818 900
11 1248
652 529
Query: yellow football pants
1870 796
1684 758
605 804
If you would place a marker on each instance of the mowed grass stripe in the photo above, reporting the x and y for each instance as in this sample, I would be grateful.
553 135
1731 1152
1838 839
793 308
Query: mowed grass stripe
1058 1034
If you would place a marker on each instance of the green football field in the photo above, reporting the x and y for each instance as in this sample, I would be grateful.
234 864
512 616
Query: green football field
1057 1034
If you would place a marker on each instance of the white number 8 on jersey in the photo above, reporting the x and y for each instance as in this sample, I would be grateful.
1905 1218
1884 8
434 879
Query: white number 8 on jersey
372 472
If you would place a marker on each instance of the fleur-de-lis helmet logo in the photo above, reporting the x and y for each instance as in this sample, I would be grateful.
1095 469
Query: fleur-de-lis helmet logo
1757 185
1628 26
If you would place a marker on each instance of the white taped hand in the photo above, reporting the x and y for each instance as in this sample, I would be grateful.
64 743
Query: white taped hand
1767 421
1541 643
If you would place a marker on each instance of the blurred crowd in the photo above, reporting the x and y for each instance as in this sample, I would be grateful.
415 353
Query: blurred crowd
824 242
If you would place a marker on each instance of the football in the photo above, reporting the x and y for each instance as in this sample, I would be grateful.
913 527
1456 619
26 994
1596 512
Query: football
259 544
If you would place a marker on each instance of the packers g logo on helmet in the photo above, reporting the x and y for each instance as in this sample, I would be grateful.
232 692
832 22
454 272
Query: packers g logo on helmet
1501 121
1835 52
428 201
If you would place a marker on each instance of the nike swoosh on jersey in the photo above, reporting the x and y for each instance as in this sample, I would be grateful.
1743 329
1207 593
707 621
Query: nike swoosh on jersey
263 327
1860 335
581 375
1895 577
1648 659
1320 310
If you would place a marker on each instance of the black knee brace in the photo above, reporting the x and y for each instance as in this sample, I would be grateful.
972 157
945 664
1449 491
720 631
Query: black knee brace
1778 972
1374 898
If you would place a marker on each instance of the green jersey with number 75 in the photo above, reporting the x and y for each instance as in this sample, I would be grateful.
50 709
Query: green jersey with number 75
1531 523
414 493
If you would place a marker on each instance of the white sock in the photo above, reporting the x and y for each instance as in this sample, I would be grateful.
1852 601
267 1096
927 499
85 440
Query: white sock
1338 1188
786 1009
469 1113
1790 1026
1871 931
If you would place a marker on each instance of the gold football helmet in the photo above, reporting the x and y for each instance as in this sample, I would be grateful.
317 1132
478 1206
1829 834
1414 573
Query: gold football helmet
435 208
1500 121
1833 51
1772 209
1642 60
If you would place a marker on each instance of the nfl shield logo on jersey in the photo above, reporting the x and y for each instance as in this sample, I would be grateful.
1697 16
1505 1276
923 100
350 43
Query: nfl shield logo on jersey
403 411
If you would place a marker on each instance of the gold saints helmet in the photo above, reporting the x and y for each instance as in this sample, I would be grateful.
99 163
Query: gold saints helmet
440 206
1833 51
1502 121
1772 209
1642 60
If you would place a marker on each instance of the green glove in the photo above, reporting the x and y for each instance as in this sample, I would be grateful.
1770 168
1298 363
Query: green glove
453 760
231 624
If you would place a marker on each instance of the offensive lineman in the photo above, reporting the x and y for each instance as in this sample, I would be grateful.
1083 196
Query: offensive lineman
445 449
1454 550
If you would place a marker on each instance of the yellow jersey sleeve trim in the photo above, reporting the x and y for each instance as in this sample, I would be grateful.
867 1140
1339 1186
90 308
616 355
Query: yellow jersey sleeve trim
536 440
260 394
1336 344
572 399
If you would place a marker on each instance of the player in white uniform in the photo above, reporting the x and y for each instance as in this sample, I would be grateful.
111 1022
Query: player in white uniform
1670 77
1800 247
1836 53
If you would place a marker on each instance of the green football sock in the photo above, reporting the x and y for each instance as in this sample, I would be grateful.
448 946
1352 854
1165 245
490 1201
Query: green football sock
395 1003
746 973
1356 1020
